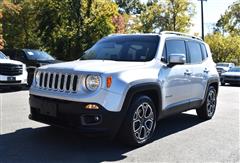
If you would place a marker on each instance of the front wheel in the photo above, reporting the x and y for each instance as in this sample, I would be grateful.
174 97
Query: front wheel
208 108
140 122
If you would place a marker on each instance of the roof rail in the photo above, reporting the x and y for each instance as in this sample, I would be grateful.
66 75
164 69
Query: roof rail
181 34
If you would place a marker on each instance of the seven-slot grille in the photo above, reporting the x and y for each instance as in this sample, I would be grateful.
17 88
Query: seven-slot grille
59 81
11 69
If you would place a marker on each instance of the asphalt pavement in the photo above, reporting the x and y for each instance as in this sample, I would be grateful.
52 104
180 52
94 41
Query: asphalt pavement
180 138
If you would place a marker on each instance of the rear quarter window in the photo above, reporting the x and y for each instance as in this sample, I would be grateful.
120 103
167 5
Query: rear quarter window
204 51
195 52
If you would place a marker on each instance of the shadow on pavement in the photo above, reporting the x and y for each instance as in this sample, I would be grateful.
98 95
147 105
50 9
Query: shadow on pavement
48 144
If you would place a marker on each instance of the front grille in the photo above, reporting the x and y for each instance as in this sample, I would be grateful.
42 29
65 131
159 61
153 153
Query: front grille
59 81
232 77
11 69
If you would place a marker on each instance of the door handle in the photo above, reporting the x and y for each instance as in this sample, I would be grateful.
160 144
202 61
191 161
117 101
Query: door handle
206 70
188 73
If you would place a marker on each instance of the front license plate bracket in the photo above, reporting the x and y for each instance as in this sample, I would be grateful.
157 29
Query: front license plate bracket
49 109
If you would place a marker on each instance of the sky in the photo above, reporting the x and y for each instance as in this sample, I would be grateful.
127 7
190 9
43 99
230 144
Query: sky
212 12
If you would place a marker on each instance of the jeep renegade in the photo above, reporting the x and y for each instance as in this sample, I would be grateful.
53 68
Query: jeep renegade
125 83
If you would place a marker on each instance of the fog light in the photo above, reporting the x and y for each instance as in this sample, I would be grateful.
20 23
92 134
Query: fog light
87 120
91 107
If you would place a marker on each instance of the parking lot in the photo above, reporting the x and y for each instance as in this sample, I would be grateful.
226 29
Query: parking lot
181 138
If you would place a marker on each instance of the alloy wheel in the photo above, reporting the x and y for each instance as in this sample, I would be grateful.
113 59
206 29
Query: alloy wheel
143 122
211 103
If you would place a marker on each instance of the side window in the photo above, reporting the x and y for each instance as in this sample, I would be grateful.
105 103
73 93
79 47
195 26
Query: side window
204 51
195 52
175 47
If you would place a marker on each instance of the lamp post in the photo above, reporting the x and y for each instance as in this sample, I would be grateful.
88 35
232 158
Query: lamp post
202 17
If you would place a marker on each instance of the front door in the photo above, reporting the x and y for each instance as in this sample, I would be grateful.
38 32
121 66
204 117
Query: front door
176 80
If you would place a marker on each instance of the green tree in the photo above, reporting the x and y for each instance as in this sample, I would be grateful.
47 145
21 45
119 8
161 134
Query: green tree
64 28
19 23
151 19
1 30
130 6
230 20
178 15
224 48
174 15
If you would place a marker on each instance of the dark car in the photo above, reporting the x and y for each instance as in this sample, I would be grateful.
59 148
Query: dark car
231 77
32 58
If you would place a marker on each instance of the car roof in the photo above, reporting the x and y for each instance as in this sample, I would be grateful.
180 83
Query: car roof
164 33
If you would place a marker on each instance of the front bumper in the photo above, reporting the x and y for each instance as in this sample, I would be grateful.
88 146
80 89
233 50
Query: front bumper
234 80
73 115
18 80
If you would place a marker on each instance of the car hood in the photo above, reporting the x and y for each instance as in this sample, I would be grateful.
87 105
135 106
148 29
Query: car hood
8 61
97 66
231 74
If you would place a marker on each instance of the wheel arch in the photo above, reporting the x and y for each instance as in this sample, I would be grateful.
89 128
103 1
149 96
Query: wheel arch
212 82
152 90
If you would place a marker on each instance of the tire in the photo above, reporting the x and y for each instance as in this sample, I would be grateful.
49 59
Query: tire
222 83
207 110
138 129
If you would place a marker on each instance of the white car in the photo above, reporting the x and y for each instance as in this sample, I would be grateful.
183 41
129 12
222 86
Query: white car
224 67
12 73
125 83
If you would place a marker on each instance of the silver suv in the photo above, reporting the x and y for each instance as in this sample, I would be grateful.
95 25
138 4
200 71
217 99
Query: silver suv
125 83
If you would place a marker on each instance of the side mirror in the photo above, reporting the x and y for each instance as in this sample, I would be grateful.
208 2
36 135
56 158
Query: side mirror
7 57
177 59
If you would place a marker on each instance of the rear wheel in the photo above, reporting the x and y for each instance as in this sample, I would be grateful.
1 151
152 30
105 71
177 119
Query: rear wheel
139 125
222 83
208 108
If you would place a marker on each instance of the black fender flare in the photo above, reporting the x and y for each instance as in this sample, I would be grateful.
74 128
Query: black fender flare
143 87
210 82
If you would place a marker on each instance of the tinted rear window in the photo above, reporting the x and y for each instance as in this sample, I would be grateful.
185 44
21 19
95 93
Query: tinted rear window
195 52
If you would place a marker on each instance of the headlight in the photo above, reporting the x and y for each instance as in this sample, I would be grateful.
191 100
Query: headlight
92 82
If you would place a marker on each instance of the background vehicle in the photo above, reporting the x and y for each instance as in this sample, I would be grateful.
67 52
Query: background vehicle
224 67
231 77
32 59
12 73
125 83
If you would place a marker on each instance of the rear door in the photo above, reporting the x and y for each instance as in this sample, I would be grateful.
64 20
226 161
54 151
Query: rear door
199 70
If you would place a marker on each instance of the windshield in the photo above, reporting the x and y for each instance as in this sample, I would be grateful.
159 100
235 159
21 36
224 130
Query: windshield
138 48
235 69
223 64
2 56
38 55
